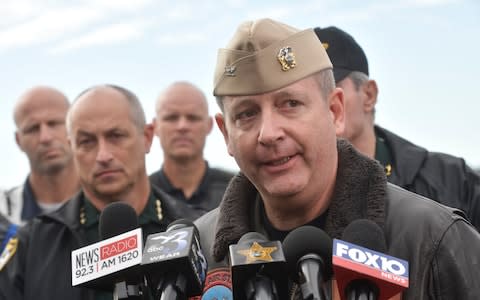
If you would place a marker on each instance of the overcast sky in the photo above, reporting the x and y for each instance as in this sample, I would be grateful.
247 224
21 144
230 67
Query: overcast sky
424 55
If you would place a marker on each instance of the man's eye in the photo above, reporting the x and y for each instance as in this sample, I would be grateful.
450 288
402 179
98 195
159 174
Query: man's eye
31 129
170 118
84 141
245 114
292 103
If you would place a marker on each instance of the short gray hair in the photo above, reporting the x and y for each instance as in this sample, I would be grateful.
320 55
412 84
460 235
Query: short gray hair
358 78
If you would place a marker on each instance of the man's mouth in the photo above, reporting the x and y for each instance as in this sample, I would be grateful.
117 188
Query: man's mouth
279 161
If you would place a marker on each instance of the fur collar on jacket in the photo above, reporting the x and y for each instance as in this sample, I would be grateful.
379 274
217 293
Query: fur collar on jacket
359 193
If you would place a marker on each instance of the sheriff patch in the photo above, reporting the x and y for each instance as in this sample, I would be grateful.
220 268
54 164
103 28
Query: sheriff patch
8 252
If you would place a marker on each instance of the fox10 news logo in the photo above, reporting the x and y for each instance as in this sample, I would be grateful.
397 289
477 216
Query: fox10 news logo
369 262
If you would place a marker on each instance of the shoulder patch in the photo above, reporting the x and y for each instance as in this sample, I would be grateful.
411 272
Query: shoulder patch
218 285
8 252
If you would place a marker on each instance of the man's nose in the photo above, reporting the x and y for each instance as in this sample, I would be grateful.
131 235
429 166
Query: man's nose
271 129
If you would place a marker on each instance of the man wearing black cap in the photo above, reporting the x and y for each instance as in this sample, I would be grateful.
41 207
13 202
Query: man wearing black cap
442 177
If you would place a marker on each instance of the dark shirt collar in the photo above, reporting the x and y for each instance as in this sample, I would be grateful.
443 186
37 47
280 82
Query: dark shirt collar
178 193
30 208
90 215
279 235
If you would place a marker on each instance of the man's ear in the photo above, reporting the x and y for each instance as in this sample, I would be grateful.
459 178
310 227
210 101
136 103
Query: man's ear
337 110
17 140
220 120
371 91
148 132
210 124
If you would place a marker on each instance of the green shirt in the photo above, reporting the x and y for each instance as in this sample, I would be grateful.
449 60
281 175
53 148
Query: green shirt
90 215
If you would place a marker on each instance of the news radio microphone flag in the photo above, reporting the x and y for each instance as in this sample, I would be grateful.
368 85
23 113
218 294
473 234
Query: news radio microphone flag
308 251
363 271
115 259
174 263
258 268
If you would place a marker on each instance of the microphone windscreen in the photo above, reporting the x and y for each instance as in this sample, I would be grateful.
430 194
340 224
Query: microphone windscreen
183 223
308 240
365 233
117 218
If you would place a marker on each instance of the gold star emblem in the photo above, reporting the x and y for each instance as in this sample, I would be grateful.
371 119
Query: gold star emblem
257 253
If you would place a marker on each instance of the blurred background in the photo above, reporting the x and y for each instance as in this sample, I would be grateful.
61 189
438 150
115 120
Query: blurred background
424 55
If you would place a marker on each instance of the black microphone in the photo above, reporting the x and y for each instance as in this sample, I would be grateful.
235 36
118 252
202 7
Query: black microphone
258 268
362 271
113 263
308 251
174 263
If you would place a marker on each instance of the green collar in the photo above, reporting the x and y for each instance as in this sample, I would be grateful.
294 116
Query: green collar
90 215
383 155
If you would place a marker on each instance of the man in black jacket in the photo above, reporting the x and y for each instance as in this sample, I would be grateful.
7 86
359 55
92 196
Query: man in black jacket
438 176
109 139
280 117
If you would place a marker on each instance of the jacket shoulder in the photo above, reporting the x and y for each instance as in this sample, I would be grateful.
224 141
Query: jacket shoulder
430 236
401 202
206 225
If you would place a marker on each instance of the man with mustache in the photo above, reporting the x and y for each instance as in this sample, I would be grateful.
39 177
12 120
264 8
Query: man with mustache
39 117
182 124
109 139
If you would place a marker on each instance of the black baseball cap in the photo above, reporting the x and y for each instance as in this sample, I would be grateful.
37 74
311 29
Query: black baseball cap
344 52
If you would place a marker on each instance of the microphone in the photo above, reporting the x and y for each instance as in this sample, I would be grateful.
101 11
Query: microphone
362 270
174 263
114 262
257 266
308 250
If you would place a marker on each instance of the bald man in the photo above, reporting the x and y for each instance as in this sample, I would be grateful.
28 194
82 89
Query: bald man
109 139
182 125
39 117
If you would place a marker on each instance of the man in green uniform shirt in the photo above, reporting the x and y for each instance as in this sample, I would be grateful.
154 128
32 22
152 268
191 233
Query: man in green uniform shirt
109 139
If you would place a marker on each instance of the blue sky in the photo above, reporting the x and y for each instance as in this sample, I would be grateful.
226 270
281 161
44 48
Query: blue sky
424 55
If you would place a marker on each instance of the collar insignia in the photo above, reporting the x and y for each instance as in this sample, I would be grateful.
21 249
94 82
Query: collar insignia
388 169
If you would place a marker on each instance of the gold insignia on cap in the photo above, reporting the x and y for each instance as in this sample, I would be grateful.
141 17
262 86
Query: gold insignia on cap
8 252
257 252
230 71
325 45
286 57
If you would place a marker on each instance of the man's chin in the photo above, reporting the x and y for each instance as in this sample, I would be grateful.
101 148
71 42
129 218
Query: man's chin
279 190
109 193
53 166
